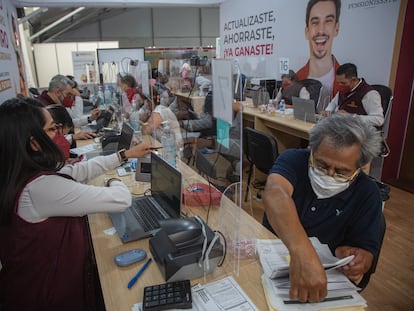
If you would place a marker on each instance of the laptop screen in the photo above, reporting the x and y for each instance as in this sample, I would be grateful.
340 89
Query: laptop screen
166 185
125 139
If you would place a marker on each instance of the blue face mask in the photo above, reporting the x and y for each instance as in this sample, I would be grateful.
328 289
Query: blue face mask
325 186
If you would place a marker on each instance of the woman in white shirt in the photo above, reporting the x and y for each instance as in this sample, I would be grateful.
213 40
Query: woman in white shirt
45 251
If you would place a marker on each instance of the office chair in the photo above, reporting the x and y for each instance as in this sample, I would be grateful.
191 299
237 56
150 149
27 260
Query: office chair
367 276
313 87
261 151
386 101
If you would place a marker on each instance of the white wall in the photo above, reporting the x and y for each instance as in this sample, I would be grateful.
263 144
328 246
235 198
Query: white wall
56 58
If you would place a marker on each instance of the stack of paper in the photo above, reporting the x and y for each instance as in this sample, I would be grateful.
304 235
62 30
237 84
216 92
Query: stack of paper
274 257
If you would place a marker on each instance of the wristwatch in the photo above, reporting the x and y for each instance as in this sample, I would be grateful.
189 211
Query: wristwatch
122 156
107 183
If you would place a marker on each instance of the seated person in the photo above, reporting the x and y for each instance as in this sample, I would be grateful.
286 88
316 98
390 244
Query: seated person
205 121
160 113
128 85
188 76
291 87
322 191
64 122
204 85
166 96
44 234
74 106
356 96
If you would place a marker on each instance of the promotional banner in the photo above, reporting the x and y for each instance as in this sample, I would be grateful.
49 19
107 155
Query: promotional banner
84 66
269 37
12 77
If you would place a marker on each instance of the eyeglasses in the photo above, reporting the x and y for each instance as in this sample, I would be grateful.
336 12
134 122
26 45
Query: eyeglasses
322 171
55 128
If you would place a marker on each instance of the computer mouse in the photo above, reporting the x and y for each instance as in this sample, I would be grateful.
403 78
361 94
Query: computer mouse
182 231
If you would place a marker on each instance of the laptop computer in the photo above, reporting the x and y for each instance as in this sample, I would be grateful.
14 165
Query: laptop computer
304 109
142 218
110 144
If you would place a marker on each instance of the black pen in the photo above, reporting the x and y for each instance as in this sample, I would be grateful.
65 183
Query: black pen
291 302
154 148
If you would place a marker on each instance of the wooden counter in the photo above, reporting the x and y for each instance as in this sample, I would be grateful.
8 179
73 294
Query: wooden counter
288 131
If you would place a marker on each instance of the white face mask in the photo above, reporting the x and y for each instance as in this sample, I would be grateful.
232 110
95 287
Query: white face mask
325 186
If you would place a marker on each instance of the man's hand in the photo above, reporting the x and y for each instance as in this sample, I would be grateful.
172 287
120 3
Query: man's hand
95 114
83 135
307 276
308 281
359 265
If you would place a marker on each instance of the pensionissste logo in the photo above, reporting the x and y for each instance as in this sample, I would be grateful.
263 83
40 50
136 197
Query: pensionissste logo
369 3
250 35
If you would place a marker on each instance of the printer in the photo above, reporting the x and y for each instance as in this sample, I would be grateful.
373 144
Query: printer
179 250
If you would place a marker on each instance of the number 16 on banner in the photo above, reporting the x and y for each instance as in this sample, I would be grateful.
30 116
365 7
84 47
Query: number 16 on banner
283 65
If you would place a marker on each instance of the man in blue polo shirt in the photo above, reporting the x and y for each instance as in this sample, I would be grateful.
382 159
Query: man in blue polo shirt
322 191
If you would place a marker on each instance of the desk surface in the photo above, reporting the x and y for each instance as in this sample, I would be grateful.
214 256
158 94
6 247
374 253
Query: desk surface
284 123
197 102
187 95
114 279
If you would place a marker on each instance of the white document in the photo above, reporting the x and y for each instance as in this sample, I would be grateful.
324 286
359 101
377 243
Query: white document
85 149
279 300
337 282
228 295
274 257
221 295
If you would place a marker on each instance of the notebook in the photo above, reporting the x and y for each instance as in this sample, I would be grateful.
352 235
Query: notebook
141 219
109 145
304 109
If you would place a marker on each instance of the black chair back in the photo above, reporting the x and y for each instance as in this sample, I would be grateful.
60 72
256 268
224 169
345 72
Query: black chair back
261 150
386 96
367 276
313 87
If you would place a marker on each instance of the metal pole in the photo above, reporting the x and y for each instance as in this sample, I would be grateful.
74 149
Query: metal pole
56 23
34 13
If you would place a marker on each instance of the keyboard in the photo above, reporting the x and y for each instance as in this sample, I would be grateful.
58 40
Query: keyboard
170 295
147 215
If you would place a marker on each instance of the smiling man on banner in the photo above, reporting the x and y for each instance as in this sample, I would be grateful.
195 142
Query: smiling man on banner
322 26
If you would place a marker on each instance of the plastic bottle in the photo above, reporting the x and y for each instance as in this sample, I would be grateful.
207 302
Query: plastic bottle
282 106
168 144
107 96
134 116
101 98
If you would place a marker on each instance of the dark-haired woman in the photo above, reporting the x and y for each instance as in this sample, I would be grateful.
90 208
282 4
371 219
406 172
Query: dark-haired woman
44 246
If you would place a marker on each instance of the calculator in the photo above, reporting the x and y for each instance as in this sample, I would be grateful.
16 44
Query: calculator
170 295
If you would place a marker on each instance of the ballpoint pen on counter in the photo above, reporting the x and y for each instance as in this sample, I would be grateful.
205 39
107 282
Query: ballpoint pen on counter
136 277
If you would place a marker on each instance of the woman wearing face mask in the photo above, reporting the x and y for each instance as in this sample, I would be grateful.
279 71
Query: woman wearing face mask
322 192
291 87
45 251
64 125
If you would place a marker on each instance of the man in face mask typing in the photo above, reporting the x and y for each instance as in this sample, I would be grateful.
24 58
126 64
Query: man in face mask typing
322 191
355 96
